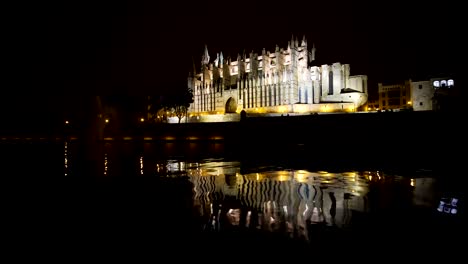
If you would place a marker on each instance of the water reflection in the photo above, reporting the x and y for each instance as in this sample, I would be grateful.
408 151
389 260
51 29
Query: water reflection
66 158
105 163
285 200
141 165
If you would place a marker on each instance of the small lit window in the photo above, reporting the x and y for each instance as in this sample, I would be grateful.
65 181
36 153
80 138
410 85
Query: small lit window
443 83
436 84
450 82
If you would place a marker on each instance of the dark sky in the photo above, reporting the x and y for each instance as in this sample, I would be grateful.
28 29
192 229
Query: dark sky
146 47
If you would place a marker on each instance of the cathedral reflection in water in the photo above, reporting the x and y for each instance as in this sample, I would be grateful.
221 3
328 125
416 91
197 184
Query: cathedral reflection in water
274 200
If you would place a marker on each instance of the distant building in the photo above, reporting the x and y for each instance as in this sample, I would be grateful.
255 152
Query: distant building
394 96
418 96
372 105
279 82
422 94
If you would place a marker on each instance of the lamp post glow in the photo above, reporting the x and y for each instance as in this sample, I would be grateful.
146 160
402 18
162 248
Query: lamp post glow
142 119
66 122
107 120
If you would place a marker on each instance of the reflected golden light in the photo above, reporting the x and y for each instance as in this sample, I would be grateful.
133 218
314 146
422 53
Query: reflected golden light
301 177
412 182
105 163
66 158
322 172
283 178
141 165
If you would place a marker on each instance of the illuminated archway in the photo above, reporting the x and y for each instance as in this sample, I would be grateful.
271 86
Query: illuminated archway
231 105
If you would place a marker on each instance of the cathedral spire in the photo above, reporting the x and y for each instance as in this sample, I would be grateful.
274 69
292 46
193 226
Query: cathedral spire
205 57
221 58
304 41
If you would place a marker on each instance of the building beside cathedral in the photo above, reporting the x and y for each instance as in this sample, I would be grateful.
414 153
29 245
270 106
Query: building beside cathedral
284 81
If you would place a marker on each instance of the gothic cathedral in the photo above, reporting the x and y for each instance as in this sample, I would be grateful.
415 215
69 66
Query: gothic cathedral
282 81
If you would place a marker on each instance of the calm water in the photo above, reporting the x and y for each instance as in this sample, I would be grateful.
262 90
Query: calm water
207 197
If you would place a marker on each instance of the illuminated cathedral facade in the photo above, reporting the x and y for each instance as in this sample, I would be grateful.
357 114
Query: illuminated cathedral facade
280 82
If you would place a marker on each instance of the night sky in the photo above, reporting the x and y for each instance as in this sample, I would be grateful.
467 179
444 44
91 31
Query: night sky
146 47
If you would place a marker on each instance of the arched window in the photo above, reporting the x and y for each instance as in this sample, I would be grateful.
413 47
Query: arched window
330 83
436 84
450 82
443 83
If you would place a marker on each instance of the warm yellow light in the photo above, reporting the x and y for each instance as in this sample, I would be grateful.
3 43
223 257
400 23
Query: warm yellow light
301 177
349 174
107 120
409 102
301 108
283 178
412 182
66 122
142 119
368 108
